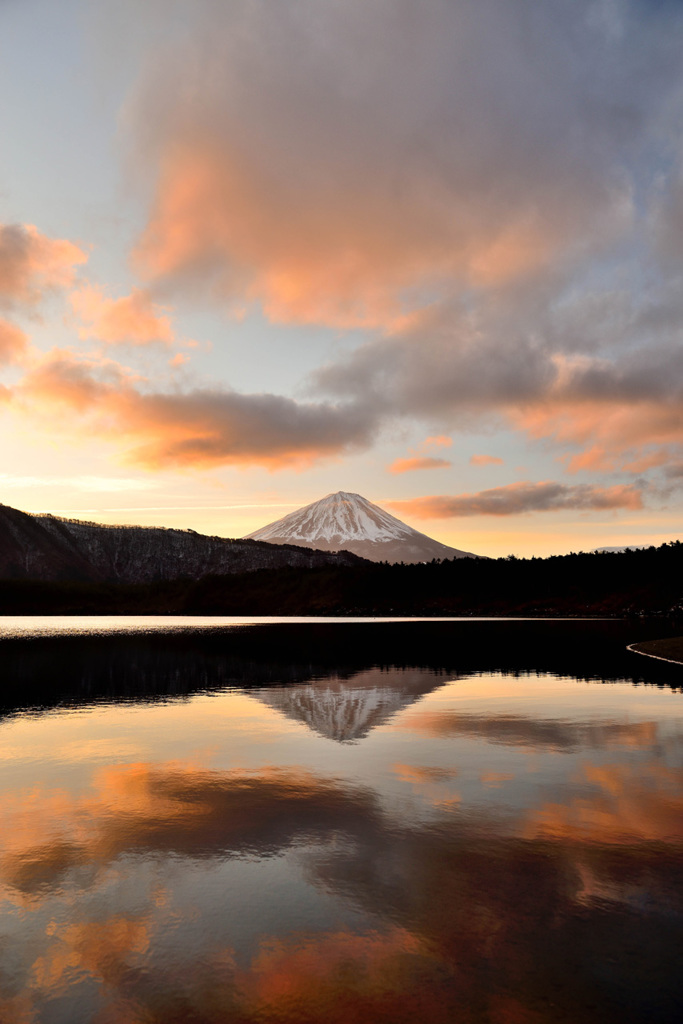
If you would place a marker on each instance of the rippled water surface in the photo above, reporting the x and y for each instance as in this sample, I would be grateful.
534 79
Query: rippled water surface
439 822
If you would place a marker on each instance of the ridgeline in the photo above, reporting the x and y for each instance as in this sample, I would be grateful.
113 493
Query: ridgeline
646 582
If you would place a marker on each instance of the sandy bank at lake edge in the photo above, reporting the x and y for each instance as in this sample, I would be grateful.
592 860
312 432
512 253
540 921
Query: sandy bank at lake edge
669 649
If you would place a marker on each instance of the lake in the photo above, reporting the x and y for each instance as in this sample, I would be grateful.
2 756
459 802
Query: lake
344 821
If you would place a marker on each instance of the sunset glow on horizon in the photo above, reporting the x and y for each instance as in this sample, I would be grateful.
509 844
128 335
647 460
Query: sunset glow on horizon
255 253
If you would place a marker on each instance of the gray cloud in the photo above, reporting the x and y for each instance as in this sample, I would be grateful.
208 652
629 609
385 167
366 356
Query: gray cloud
449 361
503 171
345 152
502 363
513 350
516 499
31 263
14 246
199 427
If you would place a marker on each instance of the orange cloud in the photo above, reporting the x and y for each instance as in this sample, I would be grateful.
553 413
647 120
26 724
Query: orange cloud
421 460
485 460
595 459
521 247
179 359
197 428
290 167
133 318
31 263
617 424
329 260
337 257
13 343
518 498
436 441
295 179
424 462
649 461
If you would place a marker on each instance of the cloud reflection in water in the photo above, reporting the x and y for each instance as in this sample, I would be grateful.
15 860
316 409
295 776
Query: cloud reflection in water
428 870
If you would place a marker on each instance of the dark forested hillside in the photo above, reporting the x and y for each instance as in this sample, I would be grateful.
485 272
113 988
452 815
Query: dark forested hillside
649 581
51 548
644 582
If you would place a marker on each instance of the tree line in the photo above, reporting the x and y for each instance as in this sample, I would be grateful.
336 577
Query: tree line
645 582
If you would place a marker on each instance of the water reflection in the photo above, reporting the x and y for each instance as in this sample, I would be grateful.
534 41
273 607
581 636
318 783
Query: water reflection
45 672
142 809
346 710
375 844
533 733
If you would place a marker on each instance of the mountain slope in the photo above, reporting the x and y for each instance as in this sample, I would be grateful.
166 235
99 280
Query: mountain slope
29 551
348 522
46 547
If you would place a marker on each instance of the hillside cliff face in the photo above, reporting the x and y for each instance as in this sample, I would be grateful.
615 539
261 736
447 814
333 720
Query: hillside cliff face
349 522
28 551
47 547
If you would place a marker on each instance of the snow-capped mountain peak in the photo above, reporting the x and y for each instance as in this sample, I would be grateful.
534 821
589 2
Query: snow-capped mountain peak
336 518
348 521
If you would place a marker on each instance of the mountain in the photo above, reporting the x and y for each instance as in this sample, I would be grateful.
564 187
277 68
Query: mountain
46 547
348 522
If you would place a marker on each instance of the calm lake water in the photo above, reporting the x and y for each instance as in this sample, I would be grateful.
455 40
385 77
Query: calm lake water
347 822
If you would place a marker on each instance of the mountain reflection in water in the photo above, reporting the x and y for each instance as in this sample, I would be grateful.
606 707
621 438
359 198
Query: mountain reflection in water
348 709
255 827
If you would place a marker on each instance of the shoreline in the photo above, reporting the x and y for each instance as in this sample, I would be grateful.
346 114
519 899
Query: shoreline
669 649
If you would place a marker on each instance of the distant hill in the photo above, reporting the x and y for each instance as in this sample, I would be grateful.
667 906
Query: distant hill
50 548
623 547
345 521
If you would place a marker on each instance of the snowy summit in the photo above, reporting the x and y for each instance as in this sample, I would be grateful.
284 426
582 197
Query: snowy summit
349 522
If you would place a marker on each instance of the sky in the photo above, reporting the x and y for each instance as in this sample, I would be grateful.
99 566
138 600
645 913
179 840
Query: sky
256 251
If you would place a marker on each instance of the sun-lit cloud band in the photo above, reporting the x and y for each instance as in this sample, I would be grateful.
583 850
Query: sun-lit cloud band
201 427
419 462
518 498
